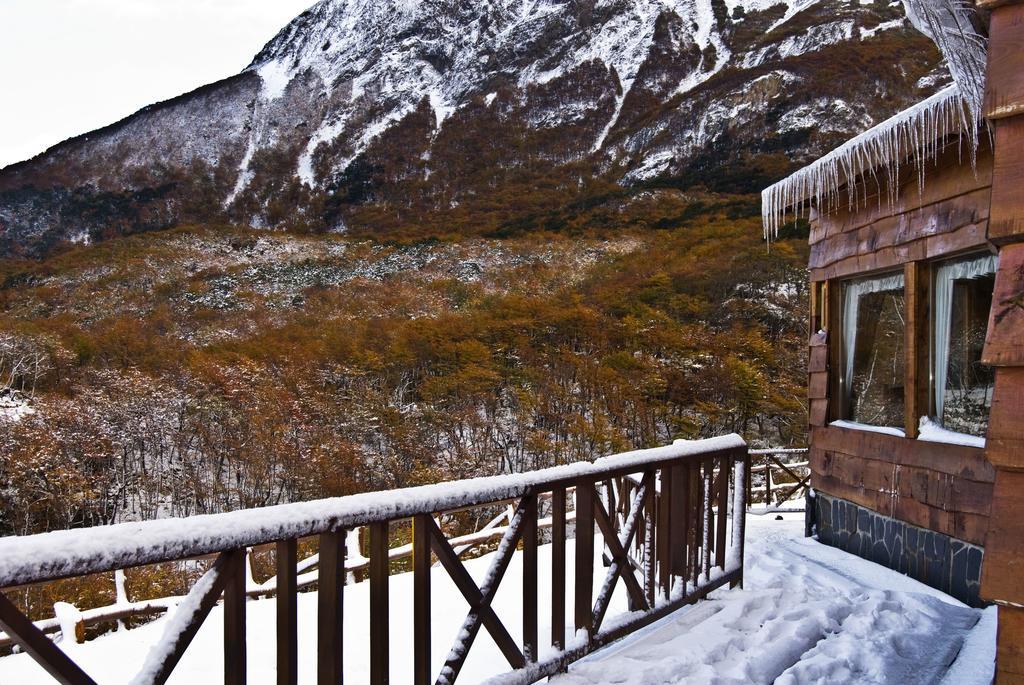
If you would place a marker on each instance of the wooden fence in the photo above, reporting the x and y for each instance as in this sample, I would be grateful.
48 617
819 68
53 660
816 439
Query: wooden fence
663 516
777 476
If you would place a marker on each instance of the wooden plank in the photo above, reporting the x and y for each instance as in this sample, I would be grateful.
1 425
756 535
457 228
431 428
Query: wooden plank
48 655
650 558
1010 646
221 573
287 613
530 619
380 572
330 608
664 533
817 413
1007 220
940 218
696 520
837 402
817 383
950 177
679 525
1004 342
1005 444
621 565
723 509
584 571
558 568
956 460
969 237
234 620
917 281
421 599
817 361
1002 577
1004 87
481 612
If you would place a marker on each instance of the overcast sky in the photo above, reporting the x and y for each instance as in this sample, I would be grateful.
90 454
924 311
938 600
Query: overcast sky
70 66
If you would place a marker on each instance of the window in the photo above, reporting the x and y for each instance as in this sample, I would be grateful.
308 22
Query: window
874 322
962 385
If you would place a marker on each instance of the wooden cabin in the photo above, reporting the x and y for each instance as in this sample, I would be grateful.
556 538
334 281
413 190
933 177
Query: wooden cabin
916 346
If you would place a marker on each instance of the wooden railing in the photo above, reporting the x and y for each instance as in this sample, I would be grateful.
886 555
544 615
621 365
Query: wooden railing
663 516
780 475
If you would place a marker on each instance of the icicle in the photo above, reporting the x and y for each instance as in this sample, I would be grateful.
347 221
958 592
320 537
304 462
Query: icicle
916 133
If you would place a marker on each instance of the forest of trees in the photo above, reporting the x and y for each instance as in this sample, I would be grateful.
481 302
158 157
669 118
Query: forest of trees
202 370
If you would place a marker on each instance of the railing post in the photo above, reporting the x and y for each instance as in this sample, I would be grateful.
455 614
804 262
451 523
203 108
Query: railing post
379 579
287 613
664 533
680 521
696 509
234 620
723 509
421 599
650 517
530 638
330 610
558 568
584 575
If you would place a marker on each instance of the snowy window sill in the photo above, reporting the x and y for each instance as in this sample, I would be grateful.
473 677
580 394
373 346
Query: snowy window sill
929 432
853 425
932 432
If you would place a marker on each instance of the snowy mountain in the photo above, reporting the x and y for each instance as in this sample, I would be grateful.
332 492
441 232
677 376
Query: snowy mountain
364 114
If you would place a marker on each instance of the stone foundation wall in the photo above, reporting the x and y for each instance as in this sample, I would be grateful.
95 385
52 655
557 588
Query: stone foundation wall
938 560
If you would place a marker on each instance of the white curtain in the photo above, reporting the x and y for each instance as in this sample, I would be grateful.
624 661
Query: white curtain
851 308
945 275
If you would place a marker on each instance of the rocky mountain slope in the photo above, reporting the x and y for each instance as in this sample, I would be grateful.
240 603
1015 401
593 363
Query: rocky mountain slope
395 116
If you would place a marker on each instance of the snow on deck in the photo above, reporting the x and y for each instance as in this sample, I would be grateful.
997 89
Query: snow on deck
808 614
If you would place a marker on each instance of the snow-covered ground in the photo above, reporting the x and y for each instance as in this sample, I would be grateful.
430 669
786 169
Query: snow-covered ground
808 614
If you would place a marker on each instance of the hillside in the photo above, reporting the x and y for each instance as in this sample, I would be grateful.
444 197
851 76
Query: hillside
382 119
207 369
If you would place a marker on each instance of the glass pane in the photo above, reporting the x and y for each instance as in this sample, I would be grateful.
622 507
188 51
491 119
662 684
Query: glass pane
969 383
876 390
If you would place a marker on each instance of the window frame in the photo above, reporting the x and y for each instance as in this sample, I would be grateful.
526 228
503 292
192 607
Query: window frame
935 334
847 339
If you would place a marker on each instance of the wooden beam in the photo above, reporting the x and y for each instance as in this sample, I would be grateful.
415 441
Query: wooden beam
650 531
221 572
917 281
39 647
330 609
530 618
287 613
479 601
834 344
558 568
663 535
234 620
584 572
421 599
380 572
723 510
1004 91
1007 220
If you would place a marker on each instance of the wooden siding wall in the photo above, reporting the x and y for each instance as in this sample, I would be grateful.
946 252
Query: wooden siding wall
945 488
948 215
1003 568
940 487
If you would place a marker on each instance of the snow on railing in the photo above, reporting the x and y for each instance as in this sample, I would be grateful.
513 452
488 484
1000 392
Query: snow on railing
663 515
